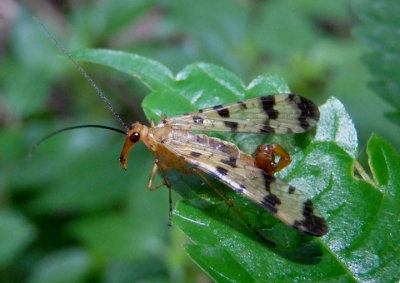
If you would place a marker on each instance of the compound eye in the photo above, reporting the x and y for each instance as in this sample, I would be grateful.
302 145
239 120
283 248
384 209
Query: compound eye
135 137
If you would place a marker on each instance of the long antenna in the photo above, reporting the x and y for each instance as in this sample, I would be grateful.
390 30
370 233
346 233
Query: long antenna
84 74
32 151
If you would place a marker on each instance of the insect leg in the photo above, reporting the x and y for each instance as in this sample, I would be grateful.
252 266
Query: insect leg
165 182
265 158
170 206
231 205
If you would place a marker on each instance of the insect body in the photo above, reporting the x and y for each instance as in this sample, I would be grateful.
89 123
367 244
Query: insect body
175 145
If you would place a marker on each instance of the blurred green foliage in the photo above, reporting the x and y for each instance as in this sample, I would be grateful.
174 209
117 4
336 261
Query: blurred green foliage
70 214
379 29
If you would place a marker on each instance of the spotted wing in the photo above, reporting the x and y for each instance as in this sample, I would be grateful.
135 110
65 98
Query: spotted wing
223 161
279 114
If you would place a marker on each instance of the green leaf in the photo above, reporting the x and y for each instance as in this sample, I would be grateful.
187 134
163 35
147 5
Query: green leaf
360 214
212 85
379 30
151 73
207 255
219 242
382 259
266 84
384 161
16 233
153 105
69 265
336 125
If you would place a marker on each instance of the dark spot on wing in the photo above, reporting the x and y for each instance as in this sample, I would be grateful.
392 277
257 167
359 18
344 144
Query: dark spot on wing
231 162
291 190
268 103
221 170
232 125
267 129
308 110
268 179
223 112
242 105
198 120
195 154
311 224
270 202
304 123
220 146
